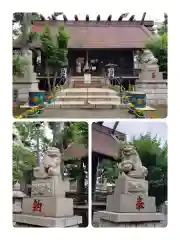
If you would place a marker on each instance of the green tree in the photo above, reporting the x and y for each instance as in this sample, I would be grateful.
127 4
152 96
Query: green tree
72 132
159 48
159 45
24 150
23 160
154 157
20 64
20 21
164 26
54 49
108 170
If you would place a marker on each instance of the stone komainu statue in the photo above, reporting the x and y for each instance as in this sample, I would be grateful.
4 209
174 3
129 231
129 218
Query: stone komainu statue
131 164
148 58
51 164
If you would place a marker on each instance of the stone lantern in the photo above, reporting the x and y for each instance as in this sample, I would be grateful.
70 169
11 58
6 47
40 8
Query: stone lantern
17 198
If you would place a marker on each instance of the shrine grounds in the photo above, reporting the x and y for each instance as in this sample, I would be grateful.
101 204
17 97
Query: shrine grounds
161 112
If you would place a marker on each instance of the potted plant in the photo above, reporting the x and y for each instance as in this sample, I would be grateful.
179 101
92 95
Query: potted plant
40 109
125 100
151 116
50 99
20 116
139 113
32 112
131 108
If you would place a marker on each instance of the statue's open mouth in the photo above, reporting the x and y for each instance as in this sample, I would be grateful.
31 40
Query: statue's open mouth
46 169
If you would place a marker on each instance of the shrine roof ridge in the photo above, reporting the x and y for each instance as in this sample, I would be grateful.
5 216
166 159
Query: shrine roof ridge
95 23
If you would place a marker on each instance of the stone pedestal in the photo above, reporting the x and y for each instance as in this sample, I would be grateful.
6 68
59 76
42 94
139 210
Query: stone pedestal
128 220
27 83
150 72
129 206
48 206
23 220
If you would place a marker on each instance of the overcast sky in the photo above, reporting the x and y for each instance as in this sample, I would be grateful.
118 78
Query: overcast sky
136 128
157 16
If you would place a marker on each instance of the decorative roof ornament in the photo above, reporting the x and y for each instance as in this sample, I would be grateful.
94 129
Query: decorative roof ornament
109 18
124 15
76 18
98 18
65 18
87 18
132 18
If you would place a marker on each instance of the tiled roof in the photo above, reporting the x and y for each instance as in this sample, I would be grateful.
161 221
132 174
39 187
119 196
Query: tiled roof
98 35
104 143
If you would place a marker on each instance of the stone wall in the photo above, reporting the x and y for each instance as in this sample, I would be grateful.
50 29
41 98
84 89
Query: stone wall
156 92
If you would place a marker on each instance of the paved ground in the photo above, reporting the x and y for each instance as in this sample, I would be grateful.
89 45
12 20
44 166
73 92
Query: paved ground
96 113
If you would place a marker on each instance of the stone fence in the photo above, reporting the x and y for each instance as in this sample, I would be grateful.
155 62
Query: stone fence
156 92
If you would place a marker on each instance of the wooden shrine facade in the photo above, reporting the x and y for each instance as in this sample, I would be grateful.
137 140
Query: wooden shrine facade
96 43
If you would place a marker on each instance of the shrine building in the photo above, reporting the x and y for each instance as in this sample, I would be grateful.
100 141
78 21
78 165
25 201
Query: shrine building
96 43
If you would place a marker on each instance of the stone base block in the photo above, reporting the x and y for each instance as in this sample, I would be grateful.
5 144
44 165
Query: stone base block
126 185
112 219
51 206
49 187
127 204
22 220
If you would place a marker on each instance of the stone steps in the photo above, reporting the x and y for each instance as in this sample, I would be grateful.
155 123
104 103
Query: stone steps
86 91
85 104
96 82
87 98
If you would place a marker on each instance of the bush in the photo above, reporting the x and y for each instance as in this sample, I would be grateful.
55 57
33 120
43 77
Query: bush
20 64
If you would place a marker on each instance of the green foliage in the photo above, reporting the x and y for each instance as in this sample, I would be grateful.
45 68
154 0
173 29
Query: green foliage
72 132
54 49
18 18
159 48
154 157
23 160
108 170
24 155
164 27
28 133
159 45
20 64
81 129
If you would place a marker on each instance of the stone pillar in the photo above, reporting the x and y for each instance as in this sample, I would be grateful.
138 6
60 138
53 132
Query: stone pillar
48 206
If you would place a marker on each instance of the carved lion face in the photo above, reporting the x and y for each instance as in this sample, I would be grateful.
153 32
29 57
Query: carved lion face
128 149
52 158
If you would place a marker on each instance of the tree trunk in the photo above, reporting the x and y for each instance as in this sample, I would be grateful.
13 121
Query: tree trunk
49 83
25 32
54 134
54 81
81 184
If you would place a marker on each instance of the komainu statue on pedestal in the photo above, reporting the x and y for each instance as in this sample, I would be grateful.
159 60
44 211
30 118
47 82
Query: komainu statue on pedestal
50 164
147 57
131 164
